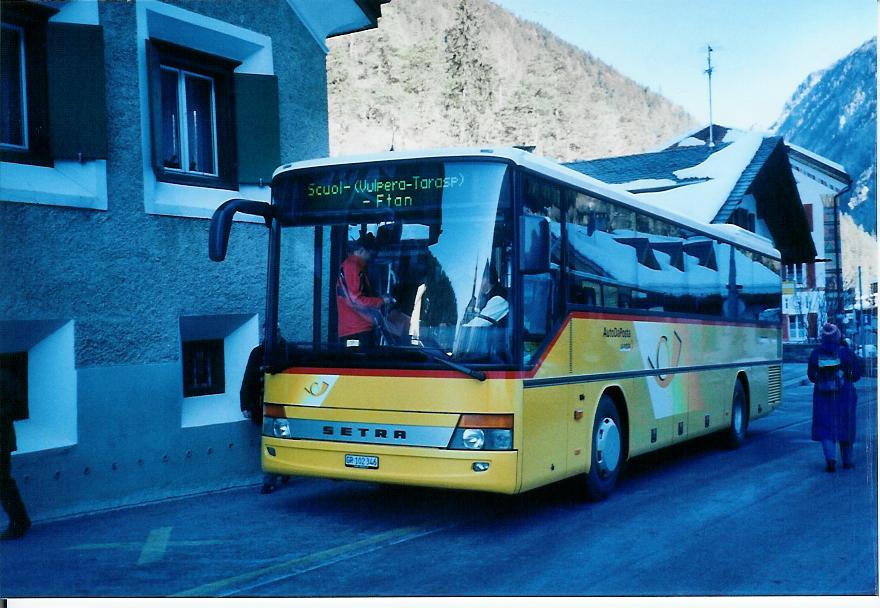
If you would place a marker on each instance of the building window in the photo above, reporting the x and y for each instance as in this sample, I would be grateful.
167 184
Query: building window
14 383
39 378
24 131
794 272
203 368
189 144
14 95
214 353
193 117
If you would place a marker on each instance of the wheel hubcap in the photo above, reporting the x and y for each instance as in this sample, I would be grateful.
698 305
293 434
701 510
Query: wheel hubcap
607 447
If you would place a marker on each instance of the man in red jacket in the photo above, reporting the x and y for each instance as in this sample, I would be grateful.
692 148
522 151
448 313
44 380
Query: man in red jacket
358 306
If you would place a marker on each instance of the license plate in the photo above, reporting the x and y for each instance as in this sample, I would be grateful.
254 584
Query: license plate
361 462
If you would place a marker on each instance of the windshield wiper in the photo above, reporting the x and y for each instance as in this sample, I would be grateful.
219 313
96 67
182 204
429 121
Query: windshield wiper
440 357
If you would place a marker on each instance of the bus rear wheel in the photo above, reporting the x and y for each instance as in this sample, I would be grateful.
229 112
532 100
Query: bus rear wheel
606 454
739 417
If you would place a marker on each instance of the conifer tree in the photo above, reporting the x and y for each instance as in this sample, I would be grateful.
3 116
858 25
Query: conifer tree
470 77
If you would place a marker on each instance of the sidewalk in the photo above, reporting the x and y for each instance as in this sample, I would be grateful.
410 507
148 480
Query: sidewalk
794 374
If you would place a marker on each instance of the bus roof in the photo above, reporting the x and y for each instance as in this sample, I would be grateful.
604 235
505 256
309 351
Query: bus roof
544 166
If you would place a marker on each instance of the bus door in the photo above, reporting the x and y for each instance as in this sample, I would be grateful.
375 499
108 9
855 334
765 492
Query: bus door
547 399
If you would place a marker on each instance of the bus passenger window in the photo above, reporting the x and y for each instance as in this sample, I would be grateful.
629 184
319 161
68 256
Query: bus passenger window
538 311
601 255
586 293
610 294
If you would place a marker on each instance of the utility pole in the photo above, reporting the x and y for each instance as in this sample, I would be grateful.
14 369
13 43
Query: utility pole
861 310
709 71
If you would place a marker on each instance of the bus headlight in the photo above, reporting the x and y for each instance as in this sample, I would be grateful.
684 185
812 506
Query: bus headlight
276 427
473 439
281 427
483 432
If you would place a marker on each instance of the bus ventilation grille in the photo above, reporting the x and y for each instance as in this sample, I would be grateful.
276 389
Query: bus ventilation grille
774 384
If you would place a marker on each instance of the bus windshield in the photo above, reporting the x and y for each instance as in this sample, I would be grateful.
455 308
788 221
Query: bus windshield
413 263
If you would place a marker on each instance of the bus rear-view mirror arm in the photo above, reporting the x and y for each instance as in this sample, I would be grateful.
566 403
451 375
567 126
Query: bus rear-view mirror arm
221 223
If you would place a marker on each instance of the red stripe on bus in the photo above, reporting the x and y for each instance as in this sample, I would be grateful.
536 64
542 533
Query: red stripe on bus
399 373
609 316
510 375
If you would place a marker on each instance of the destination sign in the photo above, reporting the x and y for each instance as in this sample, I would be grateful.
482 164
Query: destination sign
381 193
410 192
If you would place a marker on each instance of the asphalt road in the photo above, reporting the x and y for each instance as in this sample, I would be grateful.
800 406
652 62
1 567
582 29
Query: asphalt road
693 520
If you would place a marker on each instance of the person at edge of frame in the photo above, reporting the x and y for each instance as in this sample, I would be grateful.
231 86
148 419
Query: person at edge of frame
251 400
833 368
11 404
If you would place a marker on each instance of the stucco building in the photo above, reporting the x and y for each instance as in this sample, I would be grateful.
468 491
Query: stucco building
124 125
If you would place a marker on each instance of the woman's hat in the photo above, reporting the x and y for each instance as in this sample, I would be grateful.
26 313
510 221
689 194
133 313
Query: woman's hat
830 333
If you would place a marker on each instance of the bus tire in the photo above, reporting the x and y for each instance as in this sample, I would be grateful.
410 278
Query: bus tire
606 453
739 417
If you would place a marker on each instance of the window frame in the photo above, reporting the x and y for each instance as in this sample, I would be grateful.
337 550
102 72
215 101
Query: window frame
167 56
30 20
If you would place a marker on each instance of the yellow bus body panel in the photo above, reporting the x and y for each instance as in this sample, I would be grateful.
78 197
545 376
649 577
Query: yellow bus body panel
397 465
423 401
554 407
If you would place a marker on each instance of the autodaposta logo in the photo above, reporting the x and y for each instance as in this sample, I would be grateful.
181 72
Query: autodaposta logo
317 388
664 360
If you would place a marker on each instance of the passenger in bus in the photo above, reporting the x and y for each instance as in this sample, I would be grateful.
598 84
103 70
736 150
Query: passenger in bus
491 307
359 308
833 368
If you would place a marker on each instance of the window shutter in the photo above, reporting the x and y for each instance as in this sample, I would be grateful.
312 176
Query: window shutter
77 102
811 276
154 90
257 128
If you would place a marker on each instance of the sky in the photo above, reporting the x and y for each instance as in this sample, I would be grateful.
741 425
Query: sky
763 49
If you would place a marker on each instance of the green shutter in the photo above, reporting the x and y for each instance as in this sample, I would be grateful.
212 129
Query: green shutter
155 94
77 103
257 129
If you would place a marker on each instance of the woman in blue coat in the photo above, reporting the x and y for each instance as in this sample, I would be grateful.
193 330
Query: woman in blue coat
832 369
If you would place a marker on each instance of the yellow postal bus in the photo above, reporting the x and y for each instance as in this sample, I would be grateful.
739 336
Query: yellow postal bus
537 324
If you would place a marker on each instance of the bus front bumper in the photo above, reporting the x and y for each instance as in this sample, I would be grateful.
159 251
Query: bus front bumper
437 468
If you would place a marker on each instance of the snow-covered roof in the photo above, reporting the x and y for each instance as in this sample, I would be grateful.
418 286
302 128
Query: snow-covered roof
554 170
705 176
834 169
720 172
817 157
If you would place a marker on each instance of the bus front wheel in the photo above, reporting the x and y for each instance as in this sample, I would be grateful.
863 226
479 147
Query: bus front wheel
739 417
606 454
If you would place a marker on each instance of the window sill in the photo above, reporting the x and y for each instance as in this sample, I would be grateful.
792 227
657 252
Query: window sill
210 409
67 184
198 201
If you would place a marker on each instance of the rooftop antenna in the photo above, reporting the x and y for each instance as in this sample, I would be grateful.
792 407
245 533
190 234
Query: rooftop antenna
709 71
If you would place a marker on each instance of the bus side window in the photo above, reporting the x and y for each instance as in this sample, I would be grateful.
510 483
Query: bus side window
538 298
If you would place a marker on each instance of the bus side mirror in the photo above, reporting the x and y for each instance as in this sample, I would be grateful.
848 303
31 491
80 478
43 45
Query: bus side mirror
534 234
221 223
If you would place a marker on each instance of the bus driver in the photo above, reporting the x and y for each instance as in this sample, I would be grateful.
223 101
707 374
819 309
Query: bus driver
359 309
